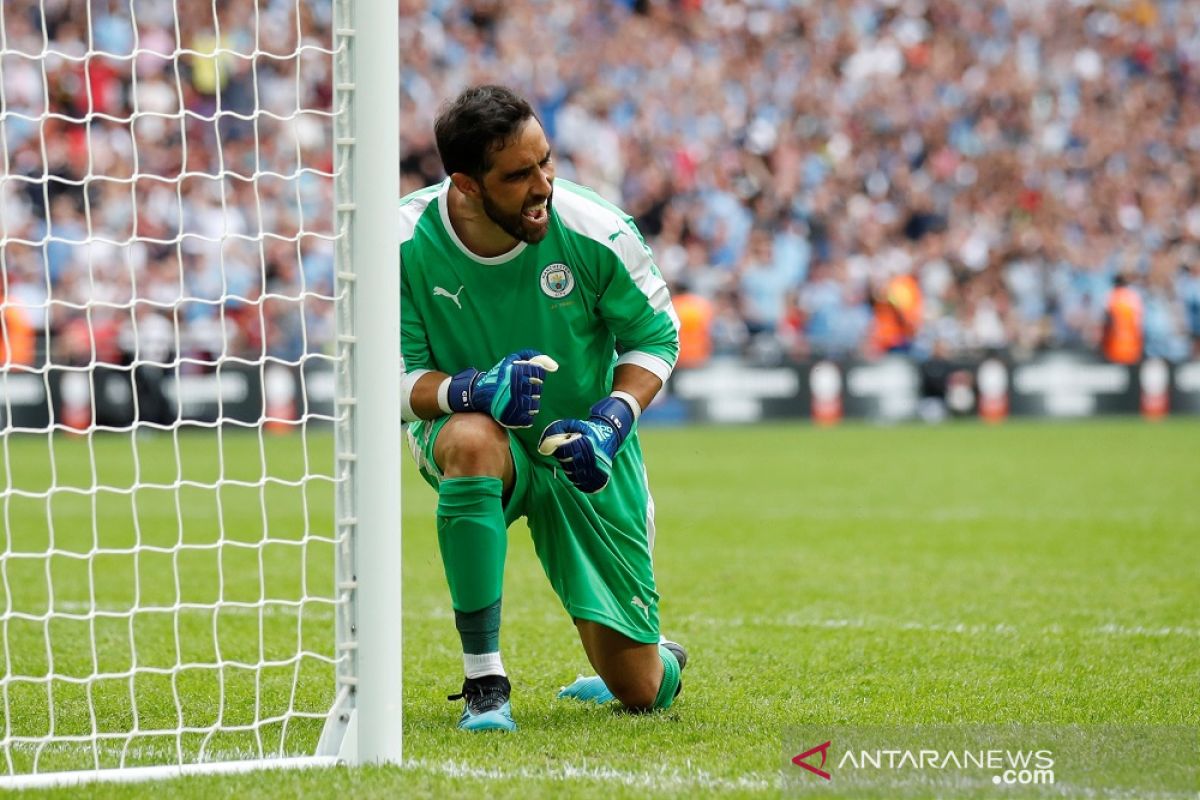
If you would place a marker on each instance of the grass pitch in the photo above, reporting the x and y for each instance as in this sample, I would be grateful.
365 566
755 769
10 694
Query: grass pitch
1030 572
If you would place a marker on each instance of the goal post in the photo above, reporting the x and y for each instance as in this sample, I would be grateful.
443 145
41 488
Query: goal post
368 431
200 435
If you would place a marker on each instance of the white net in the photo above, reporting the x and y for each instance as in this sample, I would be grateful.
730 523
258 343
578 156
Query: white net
166 330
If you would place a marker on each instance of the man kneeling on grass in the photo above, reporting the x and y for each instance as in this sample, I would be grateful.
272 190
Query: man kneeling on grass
518 292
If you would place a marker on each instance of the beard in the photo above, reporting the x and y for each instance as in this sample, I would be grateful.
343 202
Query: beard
515 224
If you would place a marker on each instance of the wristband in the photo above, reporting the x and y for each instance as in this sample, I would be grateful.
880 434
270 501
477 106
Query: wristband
617 413
634 405
460 389
443 397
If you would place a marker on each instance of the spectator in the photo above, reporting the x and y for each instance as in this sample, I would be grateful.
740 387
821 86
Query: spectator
16 334
764 283
897 306
695 314
1123 336
1188 288
147 341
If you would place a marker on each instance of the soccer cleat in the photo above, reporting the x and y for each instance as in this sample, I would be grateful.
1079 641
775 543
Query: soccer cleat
592 689
586 690
486 706
680 655
677 650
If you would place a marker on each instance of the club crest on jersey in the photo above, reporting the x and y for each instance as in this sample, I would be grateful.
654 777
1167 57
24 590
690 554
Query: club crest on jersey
557 280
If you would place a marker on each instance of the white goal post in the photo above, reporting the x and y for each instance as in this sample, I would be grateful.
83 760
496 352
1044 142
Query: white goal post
199 388
368 144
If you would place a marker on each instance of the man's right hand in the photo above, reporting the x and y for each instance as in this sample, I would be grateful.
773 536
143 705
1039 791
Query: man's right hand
511 391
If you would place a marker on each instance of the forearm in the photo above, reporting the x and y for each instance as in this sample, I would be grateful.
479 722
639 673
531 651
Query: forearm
638 382
424 397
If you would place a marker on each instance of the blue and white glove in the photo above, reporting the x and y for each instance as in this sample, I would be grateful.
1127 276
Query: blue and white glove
585 448
511 391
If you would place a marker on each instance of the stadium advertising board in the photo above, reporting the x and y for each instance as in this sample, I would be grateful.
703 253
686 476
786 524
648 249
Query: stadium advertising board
1058 384
1055 384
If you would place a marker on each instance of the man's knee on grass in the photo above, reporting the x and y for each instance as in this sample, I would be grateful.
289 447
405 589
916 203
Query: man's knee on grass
654 692
634 691
642 678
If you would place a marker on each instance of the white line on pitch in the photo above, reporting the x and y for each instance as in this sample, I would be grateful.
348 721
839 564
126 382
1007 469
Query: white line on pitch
312 610
710 622
665 779
963 628
321 610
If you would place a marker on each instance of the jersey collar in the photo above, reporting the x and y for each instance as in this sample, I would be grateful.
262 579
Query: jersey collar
444 208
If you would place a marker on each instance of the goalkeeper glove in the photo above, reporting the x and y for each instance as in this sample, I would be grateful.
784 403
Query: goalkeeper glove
585 448
511 391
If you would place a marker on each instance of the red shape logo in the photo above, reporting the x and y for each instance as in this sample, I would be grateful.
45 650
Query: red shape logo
823 749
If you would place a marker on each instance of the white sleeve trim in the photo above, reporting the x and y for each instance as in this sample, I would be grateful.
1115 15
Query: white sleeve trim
638 262
651 363
407 382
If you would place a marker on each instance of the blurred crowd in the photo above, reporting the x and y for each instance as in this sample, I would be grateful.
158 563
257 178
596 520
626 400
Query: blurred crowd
854 177
831 177
166 189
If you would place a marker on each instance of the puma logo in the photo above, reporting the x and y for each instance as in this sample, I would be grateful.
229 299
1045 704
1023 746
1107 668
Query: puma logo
612 237
440 292
641 604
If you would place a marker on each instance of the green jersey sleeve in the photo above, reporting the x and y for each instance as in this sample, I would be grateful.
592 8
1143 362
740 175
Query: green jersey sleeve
414 340
415 352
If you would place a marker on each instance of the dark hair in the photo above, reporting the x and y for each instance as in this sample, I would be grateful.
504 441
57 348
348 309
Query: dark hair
477 123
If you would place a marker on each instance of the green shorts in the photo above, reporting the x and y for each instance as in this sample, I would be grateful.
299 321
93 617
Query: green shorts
595 549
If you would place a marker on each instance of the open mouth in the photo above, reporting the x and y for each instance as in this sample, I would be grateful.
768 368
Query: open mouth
538 213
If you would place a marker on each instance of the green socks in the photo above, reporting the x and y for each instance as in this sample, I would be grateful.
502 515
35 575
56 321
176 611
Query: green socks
670 681
474 540
479 630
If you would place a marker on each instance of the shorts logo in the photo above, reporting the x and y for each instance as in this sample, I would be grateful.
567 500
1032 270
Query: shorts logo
557 280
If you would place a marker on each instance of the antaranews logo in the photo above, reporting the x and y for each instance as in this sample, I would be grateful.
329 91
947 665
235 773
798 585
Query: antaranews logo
1012 767
823 749
960 760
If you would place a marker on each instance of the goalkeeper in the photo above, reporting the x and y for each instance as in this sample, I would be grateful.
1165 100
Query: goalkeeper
518 291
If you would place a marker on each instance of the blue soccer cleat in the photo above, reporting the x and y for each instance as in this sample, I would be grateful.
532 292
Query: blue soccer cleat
586 690
486 705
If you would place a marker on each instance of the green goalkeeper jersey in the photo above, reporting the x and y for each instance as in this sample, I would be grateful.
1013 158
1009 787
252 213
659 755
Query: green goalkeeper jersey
589 295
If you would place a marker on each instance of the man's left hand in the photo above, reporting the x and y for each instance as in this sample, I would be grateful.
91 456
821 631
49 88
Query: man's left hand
586 448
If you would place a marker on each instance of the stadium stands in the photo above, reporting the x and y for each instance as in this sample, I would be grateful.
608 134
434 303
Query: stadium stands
786 161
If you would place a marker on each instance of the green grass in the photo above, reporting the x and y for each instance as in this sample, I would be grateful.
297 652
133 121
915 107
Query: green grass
1026 573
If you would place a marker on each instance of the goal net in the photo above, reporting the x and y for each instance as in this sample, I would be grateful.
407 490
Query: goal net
178 431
